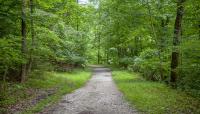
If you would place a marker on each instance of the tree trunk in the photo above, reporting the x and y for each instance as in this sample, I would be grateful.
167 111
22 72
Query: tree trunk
199 30
77 19
4 80
33 38
107 56
176 43
23 45
136 46
99 48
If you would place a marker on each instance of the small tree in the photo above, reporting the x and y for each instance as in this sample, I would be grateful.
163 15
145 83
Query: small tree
176 42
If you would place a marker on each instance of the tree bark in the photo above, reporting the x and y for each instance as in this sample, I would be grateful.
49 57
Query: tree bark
99 48
32 37
199 30
176 43
23 45
137 46
77 19
4 80
161 50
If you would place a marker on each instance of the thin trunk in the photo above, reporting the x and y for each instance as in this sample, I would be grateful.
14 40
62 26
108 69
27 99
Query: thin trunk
136 46
161 50
199 30
77 19
23 31
33 38
99 39
107 56
176 43
4 79
99 42
151 20
132 52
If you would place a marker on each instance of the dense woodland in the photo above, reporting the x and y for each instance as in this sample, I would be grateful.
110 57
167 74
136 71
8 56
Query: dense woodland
160 39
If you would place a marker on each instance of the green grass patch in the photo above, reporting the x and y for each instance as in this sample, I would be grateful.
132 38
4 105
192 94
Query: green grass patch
153 97
63 83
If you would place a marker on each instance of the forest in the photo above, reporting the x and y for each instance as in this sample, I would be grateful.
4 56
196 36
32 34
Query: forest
50 48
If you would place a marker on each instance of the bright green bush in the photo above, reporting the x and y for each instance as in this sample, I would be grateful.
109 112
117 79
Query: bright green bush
148 63
78 61
11 57
124 62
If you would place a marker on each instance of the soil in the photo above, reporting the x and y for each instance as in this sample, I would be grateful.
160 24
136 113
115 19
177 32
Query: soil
37 97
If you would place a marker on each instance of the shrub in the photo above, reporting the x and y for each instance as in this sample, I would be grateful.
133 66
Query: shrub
189 79
124 62
78 61
148 63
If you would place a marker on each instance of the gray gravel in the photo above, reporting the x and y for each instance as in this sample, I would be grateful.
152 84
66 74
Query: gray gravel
99 96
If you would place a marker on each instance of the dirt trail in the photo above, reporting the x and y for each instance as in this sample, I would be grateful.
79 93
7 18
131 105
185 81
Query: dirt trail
99 96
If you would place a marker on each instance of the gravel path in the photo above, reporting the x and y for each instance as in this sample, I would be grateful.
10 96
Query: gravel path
99 96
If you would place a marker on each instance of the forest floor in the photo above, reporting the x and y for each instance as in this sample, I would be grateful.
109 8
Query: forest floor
41 90
99 96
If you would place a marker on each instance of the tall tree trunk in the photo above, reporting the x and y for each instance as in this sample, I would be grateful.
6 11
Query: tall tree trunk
161 49
77 19
99 48
32 37
176 43
23 48
99 40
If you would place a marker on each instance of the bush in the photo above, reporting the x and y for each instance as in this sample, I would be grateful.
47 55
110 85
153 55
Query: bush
78 61
10 58
148 63
124 62
190 68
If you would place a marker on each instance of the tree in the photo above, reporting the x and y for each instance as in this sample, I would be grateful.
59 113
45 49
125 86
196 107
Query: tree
23 45
176 42
32 37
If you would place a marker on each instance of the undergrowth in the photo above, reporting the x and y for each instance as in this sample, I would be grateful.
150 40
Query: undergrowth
61 82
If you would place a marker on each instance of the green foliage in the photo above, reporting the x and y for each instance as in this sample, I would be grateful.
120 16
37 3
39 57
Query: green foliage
10 55
126 61
133 34
138 35
59 34
190 82
148 64
77 60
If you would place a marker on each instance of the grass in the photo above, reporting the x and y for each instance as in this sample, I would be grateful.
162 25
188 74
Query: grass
153 97
63 83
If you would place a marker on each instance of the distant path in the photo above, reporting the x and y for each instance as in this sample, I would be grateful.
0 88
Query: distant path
99 96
